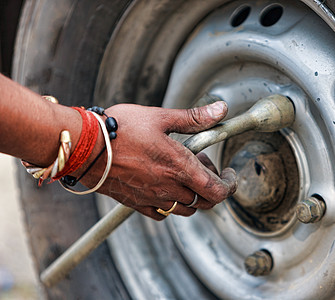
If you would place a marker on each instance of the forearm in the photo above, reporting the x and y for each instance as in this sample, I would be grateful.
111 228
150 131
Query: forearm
30 126
150 170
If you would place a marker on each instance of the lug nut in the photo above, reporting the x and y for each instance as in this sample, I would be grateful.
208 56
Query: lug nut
310 210
259 263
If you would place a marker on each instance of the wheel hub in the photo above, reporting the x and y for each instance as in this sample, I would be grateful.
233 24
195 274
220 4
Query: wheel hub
268 181
265 50
261 178
241 52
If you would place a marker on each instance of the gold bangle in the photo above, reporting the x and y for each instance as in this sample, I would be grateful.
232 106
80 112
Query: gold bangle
63 155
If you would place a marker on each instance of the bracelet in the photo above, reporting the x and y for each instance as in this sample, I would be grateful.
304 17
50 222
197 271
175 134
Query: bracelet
108 164
57 166
66 164
111 126
85 145
63 155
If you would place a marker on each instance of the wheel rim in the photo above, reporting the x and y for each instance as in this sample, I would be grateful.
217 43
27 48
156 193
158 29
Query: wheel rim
242 52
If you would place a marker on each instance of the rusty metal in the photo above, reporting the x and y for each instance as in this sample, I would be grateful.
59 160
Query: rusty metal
261 176
310 210
269 114
268 181
259 263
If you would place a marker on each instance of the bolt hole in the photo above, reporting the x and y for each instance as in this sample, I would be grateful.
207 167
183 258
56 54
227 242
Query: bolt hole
270 256
258 168
240 15
291 102
317 196
271 15
320 198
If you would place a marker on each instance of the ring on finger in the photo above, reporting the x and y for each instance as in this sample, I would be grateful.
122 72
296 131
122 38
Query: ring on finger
167 212
194 202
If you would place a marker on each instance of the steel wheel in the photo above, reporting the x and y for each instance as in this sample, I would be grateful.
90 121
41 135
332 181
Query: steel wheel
240 51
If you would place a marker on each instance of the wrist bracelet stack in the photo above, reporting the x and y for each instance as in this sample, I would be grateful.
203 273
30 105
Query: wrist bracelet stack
111 126
66 164
109 132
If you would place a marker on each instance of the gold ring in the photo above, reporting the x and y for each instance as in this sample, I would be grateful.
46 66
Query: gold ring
167 212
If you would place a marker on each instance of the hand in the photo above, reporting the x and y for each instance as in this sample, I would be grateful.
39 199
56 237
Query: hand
151 170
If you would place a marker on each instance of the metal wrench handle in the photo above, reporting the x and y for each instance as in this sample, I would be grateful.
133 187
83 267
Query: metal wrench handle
268 114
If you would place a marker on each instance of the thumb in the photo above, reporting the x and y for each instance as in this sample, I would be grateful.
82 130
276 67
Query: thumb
196 119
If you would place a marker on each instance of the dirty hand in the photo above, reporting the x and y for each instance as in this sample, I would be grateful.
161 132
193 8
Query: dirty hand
151 170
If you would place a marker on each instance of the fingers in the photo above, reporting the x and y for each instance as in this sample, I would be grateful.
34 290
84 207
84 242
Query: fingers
205 160
147 202
199 202
196 119
186 197
206 183
210 188
195 175
150 212
228 176
179 209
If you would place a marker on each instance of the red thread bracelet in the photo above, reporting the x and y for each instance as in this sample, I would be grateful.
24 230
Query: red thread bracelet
85 145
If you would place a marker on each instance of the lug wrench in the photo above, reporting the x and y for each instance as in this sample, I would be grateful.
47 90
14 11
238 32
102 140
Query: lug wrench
266 115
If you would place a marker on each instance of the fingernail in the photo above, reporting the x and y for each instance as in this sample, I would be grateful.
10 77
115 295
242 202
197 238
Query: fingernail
217 109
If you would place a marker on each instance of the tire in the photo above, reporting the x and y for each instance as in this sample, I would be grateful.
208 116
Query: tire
67 46
79 51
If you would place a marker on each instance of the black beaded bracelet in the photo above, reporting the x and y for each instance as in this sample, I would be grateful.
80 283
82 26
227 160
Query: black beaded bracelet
111 126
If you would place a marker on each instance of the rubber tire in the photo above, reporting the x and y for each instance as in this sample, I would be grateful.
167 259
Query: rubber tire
58 51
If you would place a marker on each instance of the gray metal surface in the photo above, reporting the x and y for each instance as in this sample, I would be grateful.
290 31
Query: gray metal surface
241 64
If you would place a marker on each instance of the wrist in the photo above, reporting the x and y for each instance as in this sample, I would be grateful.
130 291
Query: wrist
81 157
108 127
